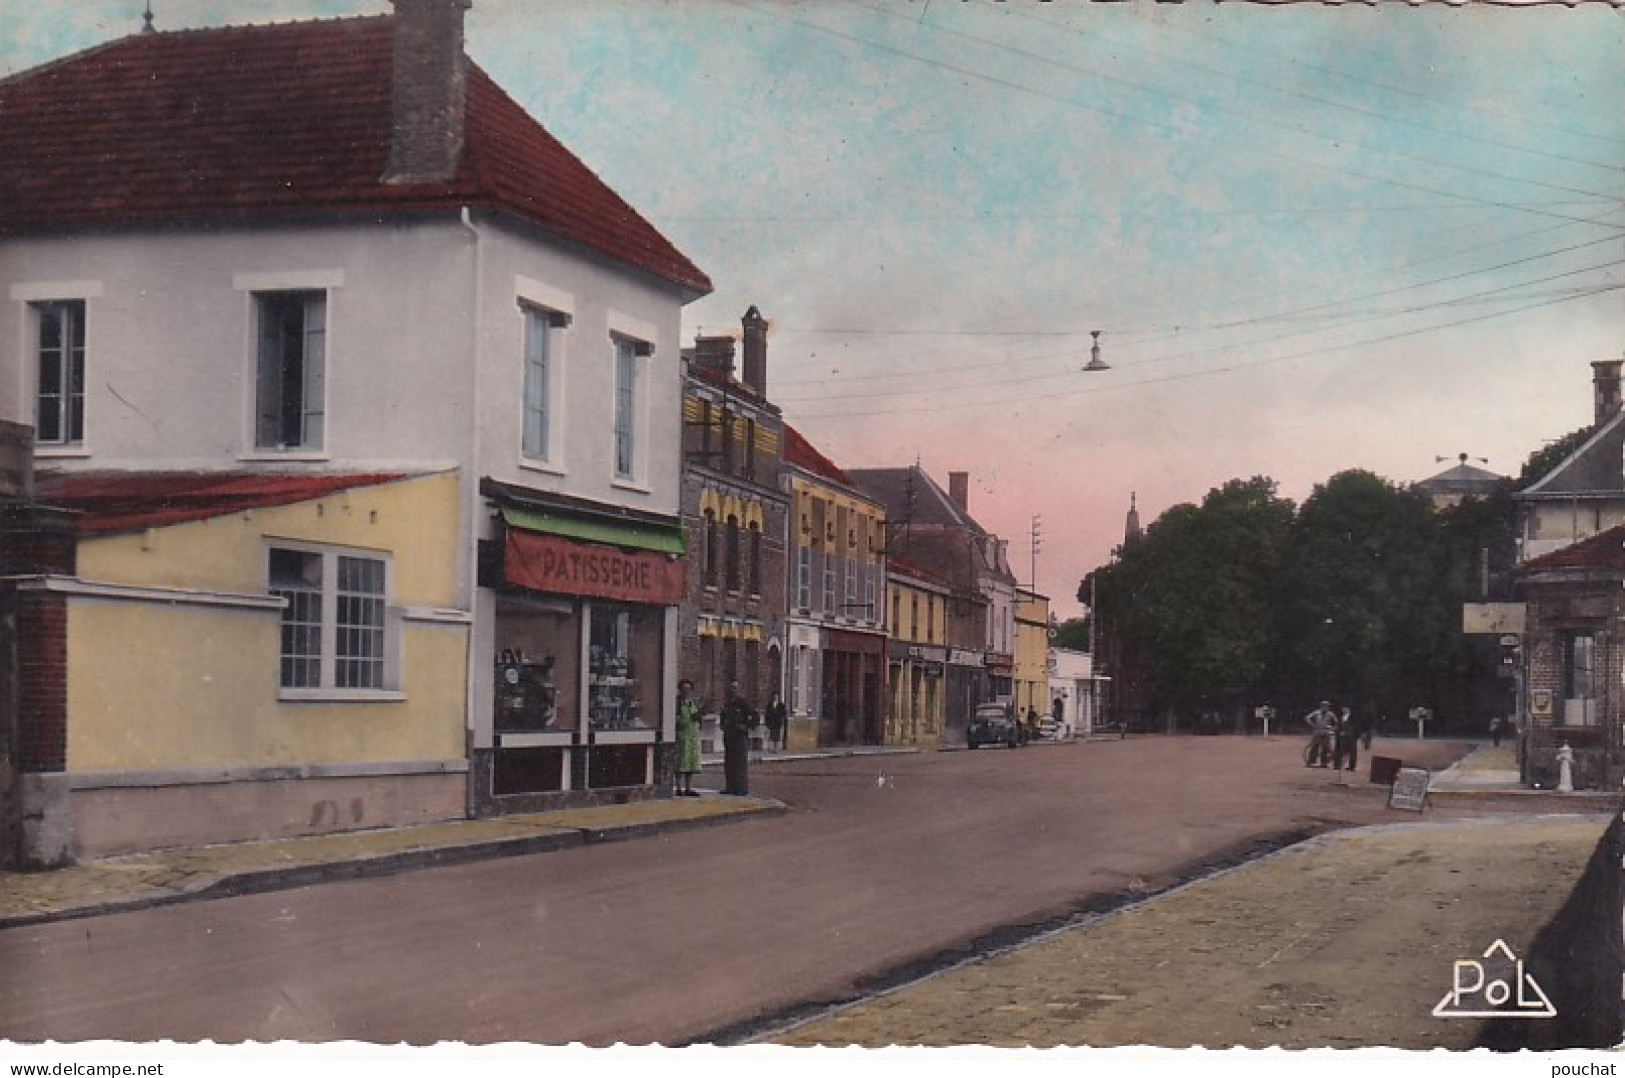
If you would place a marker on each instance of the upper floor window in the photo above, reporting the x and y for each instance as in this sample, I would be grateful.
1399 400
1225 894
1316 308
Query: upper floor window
541 364
290 387
732 537
59 404
754 554
804 578
713 555
629 355
335 628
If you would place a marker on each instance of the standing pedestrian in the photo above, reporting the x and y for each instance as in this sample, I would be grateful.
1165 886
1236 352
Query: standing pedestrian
737 720
1346 742
688 739
1495 731
778 717
1322 723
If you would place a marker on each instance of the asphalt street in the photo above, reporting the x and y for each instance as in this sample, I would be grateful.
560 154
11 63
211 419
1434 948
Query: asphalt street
884 868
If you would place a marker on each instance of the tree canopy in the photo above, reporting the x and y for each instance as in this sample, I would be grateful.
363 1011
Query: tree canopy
1247 599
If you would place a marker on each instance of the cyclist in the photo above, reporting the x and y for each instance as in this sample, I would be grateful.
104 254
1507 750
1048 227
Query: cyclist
1322 723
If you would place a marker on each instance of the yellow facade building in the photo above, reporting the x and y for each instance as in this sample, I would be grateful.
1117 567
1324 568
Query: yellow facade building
1032 654
917 602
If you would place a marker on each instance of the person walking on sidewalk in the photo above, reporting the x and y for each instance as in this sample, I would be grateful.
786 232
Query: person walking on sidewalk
1322 722
778 717
688 739
737 719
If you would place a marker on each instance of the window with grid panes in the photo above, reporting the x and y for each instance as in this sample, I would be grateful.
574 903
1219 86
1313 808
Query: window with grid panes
335 627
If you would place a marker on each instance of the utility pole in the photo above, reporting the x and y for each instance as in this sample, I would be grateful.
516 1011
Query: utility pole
1038 543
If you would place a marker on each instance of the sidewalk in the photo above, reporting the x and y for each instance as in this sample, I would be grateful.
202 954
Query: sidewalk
168 876
1348 940
163 877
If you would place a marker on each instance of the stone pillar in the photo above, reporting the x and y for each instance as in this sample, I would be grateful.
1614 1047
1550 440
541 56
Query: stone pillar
37 544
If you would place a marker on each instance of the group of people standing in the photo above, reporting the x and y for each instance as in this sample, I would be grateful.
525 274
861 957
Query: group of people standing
738 719
1334 737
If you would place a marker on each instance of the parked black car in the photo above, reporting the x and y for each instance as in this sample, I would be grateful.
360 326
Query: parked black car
993 724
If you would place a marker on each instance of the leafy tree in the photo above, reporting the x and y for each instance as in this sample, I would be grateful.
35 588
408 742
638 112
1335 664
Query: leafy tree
1550 456
1190 604
1359 608
1073 633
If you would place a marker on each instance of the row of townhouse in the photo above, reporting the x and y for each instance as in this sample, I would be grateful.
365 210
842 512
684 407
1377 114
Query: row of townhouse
352 473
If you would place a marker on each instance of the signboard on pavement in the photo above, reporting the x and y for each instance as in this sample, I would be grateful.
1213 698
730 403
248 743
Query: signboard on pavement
1495 618
1410 789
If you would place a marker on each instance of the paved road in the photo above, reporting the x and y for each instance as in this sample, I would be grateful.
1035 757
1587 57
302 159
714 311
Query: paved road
883 862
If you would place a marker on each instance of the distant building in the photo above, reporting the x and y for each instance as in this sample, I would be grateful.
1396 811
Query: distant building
735 514
836 625
1460 482
1031 690
1584 494
1573 668
918 653
933 528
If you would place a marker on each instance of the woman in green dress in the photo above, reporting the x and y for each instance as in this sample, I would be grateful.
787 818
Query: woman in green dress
688 739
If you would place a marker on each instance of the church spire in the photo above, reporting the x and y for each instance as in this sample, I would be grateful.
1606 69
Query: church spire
1131 528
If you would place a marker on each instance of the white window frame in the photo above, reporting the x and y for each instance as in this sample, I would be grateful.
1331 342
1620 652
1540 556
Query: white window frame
543 344
328 657
804 578
69 385
313 371
628 399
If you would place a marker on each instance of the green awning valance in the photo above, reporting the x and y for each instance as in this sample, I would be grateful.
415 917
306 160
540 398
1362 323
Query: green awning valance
660 538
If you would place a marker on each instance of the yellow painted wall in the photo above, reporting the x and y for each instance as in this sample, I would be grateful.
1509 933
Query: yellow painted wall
1032 655
868 520
416 519
156 685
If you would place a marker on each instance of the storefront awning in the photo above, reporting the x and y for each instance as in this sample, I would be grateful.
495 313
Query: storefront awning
633 535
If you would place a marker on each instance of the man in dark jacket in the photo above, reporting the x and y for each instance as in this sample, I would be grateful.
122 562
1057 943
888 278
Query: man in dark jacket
737 720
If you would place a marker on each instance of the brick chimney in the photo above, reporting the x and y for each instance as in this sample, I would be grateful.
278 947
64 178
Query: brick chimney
755 340
714 356
1605 387
428 88
959 490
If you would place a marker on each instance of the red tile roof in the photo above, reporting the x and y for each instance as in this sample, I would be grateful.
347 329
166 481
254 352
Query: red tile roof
800 452
1604 551
252 122
902 566
133 501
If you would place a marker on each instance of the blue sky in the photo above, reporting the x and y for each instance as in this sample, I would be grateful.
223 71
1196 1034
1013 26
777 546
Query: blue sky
1313 237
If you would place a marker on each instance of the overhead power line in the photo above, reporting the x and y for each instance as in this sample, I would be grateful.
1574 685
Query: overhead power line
985 402
1024 88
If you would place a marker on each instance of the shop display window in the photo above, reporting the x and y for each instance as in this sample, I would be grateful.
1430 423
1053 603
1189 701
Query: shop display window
538 664
624 664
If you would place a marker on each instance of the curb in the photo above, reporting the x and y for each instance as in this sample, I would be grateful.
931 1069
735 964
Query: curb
293 876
